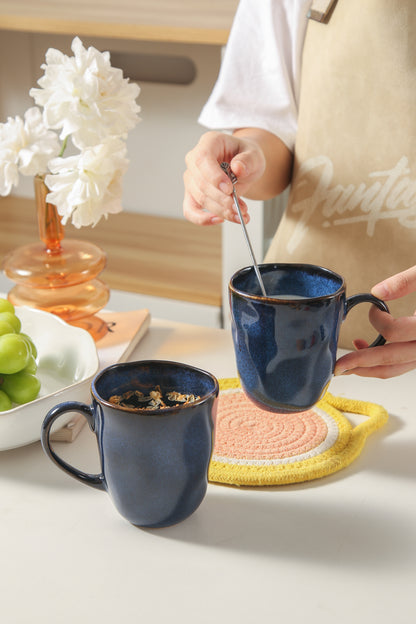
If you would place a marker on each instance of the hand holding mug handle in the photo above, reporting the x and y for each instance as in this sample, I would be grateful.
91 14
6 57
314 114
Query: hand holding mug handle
94 480
368 298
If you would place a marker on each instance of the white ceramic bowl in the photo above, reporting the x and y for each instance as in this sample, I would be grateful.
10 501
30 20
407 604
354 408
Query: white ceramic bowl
67 362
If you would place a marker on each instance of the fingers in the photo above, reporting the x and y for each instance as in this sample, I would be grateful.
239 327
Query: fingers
396 357
196 214
401 329
246 159
248 165
208 190
386 361
382 372
396 286
360 344
204 159
217 206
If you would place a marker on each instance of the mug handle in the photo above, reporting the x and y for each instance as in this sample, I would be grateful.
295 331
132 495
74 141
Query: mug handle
94 480
368 298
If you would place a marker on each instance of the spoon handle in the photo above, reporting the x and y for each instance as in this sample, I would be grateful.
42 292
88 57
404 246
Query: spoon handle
226 167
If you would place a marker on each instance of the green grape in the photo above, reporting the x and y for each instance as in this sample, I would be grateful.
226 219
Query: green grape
18 367
5 402
31 344
31 366
21 387
6 306
6 328
11 318
14 353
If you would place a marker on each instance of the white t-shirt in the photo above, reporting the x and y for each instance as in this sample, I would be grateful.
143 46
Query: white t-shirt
258 83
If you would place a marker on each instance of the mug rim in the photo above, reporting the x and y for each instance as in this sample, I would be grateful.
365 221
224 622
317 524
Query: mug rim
286 265
153 412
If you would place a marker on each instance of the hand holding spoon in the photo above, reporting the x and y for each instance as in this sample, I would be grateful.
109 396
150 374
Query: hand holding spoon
226 167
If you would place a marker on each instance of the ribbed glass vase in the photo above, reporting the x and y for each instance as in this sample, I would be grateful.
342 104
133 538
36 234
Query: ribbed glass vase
56 274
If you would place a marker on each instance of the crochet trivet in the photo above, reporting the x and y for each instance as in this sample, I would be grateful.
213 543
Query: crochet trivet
255 447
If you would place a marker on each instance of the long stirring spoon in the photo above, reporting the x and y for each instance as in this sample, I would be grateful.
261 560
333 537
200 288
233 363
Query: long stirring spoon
226 167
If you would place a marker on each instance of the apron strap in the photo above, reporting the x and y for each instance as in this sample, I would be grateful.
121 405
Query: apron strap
321 9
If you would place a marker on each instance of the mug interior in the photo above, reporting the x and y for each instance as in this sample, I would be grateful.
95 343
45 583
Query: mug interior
288 281
145 375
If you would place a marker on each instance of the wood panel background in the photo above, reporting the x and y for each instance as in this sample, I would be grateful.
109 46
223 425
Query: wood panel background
163 257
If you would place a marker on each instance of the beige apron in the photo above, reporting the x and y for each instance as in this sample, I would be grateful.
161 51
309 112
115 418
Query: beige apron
352 206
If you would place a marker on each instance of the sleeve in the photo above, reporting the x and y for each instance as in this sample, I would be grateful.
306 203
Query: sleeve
258 82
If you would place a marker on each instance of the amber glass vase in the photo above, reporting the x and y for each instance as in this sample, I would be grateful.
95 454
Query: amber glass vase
58 275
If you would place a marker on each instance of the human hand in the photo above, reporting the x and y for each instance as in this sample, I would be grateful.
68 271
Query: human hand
208 190
399 354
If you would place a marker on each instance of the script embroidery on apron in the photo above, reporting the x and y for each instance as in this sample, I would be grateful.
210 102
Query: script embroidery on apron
391 196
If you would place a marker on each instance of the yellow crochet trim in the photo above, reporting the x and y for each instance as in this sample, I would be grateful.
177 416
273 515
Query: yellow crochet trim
347 447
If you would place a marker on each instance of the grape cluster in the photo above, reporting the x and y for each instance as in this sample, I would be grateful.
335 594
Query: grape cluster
18 381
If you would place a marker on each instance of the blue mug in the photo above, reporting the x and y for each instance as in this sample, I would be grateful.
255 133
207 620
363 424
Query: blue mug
286 343
154 462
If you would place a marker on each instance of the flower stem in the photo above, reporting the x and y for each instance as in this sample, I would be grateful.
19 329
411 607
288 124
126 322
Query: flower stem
63 148
51 231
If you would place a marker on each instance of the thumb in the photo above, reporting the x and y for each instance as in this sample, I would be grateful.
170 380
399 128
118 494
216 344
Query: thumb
248 165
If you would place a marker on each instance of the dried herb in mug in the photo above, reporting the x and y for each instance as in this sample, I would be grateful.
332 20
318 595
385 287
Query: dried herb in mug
154 400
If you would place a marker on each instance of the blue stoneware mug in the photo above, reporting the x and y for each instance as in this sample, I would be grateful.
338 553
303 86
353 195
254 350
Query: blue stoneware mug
154 462
286 343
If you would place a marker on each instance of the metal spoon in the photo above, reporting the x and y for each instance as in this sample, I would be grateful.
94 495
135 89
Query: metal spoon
226 167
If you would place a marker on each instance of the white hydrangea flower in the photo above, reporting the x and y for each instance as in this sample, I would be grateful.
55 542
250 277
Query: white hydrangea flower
39 144
10 141
85 97
25 147
88 186
9 173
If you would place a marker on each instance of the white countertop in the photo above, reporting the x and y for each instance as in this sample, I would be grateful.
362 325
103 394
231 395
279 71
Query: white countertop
340 549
